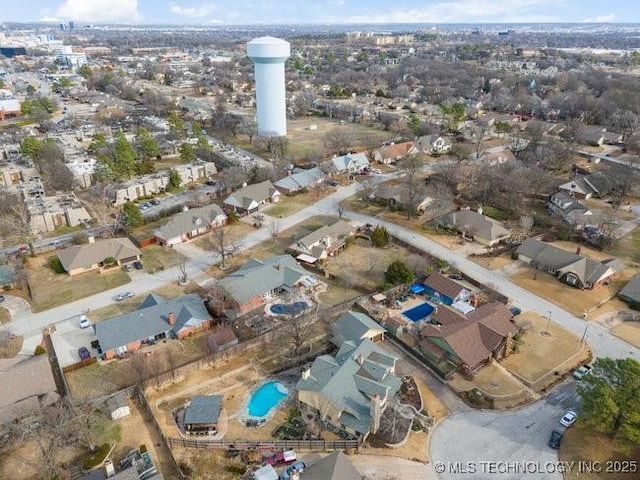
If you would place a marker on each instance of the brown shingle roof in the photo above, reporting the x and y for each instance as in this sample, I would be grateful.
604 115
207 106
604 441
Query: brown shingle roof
444 285
81 256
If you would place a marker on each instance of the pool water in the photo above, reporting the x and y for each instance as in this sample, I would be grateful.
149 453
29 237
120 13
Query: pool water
291 309
267 397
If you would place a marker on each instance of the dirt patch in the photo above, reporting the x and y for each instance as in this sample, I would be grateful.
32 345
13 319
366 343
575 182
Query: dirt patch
53 289
23 463
5 316
539 352
572 299
629 332
580 445
492 263
11 348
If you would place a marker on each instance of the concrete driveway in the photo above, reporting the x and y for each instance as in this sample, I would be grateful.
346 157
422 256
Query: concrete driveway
490 444
68 337
17 307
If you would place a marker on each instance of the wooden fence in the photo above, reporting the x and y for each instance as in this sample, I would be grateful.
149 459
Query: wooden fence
80 364
302 445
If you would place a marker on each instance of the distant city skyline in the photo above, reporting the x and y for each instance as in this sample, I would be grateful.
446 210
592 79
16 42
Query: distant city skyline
203 12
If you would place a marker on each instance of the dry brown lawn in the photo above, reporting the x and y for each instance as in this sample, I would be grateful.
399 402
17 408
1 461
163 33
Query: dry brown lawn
572 299
431 403
290 204
416 449
629 332
52 289
582 445
492 263
490 379
12 348
5 316
539 355
155 257
335 294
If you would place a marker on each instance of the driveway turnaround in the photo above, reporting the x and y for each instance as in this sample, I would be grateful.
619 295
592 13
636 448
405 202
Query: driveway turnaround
507 445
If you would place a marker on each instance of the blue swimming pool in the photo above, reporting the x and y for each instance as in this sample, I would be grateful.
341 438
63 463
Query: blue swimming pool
291 309
419 312
267 397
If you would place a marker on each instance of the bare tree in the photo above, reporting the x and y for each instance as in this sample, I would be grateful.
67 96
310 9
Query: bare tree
224 245
413 187
297 331
139 364
275 230
15 225
479 133
182 269
337 140
368 188
339 206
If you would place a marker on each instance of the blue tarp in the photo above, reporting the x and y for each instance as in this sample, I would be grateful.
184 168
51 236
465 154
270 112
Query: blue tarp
418 313
416 288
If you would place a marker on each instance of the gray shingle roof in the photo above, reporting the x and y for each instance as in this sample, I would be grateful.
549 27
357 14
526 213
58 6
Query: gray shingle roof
79 256
256 277
193 219
203 409
481 225
338 229
349 385
300 179
336 466
258 192
352 162
352 326
632 289
151 321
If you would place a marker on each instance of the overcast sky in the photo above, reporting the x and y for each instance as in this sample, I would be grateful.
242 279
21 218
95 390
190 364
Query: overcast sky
320 11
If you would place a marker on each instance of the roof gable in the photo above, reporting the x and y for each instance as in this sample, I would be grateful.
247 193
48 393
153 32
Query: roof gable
83 256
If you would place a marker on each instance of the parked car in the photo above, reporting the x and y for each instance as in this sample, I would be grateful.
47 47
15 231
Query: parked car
1 298
124 295
281 458
569 418
83 353
376 170
581 372
515 311
296 467
137 265
333 183
155 201
555 439
84 322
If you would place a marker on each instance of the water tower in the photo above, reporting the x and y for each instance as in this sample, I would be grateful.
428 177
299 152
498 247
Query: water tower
268 55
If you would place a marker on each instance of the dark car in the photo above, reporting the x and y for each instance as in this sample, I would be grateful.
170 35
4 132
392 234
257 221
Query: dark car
555 439
1 298
515 311
155 201
83 353
137 265
333 183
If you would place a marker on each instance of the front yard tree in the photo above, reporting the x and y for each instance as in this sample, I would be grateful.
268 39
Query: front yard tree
146 145
15 223
124 157
398 273
337 140
131 215
187 153
413 187
380 237
221 243
610 397
174 179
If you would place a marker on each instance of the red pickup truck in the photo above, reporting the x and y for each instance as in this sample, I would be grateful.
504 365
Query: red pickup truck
281 458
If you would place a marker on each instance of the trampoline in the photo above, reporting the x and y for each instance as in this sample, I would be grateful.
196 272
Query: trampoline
419 312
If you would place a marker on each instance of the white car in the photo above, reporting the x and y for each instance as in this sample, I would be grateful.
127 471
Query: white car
124 295
375 170
581 372
569 418
84 322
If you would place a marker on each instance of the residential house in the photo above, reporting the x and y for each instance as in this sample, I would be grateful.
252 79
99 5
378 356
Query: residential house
148 185
349 164
475 225
445 289
85 258
62 210
356 326
591 135
562 205
252 198
190 224
337 466
221 338
299 180
584 187
202 415
394 196
256 282
118 406
630 293
155 319
350 389
10 108
322 243
16 172
32 387
468 341
433 144
570 268
393 152
195 172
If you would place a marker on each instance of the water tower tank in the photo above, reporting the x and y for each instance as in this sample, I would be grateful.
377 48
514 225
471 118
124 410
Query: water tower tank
268 55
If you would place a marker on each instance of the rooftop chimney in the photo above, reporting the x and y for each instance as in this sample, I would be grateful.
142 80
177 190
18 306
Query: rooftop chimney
172 319
306 373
